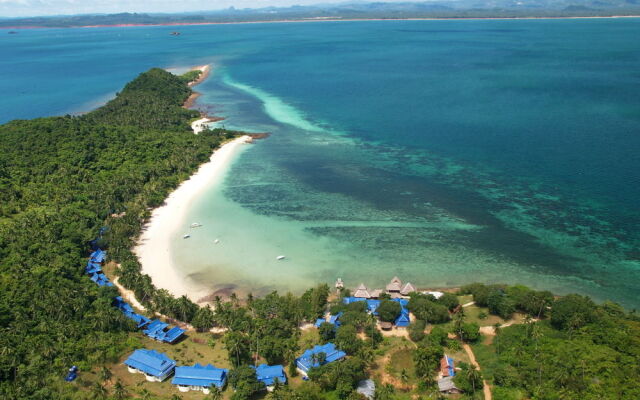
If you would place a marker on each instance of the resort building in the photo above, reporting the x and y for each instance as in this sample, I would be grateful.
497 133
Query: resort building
98 256
351 299
154 365
403 319
447 367
446 385
312 358
407 288
394 287
199 377
157 330
362 292
269 374
100 279
128 312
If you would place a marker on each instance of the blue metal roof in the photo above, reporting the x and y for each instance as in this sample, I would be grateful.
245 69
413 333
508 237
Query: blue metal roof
403 319
92 267
268 374
98 256
349 300
333 319
403 302
101 280
200 375
319 322
156 330
306 362
372 306
452 370
151 362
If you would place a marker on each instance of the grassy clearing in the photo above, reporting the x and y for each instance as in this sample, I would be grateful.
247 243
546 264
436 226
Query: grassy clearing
195 348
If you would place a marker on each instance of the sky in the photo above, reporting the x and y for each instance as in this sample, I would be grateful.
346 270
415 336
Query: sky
26 8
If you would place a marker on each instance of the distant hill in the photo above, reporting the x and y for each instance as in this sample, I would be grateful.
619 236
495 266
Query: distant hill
366 10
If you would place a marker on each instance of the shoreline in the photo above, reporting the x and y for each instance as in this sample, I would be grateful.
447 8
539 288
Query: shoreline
153 245
285 21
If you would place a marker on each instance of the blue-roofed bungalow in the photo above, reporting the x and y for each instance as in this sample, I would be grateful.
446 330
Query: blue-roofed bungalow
403 319
269 374
309 359
335 319
98 256
101 279
92 268
154 365
349 300
156 329
199 377
372 306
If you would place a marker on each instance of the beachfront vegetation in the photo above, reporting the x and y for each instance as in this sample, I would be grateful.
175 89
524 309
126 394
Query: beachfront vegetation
63 178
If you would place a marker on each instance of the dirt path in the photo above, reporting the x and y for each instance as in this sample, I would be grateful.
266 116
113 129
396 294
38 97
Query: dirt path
472 359
469 304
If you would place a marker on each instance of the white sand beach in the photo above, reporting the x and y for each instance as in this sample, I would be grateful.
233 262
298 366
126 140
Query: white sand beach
153 248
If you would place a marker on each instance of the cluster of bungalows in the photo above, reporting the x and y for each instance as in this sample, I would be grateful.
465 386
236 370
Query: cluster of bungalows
155 328
157 367
94 268
402 320
395 289
317 356
332 319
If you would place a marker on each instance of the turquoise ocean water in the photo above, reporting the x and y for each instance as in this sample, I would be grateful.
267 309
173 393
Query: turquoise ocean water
444 152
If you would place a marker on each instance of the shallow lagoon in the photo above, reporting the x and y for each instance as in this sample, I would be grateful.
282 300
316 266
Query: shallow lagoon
444 152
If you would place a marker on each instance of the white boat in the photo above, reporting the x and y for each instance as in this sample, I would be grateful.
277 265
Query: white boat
187 236
196 225
216 241
280 258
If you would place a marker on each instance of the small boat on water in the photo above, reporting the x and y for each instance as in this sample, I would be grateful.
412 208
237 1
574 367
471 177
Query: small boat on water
175 33
187 236
216 241
280 258
196 225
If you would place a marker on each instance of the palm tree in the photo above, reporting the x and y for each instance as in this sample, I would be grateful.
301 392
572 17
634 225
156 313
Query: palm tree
105 374
119 392
404 376
98 391
215 394
459 322
473 376
497 329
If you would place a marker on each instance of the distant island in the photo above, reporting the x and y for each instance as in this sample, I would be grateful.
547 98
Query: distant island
347 11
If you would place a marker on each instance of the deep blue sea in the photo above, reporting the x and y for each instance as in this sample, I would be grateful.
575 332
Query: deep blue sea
444 152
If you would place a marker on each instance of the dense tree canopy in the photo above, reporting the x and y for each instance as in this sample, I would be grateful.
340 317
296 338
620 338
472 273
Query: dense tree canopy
61 179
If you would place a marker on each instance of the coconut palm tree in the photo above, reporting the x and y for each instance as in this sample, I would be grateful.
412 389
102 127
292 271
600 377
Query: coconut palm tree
98 391
119 392
473 376
497 329
105 374
215 394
